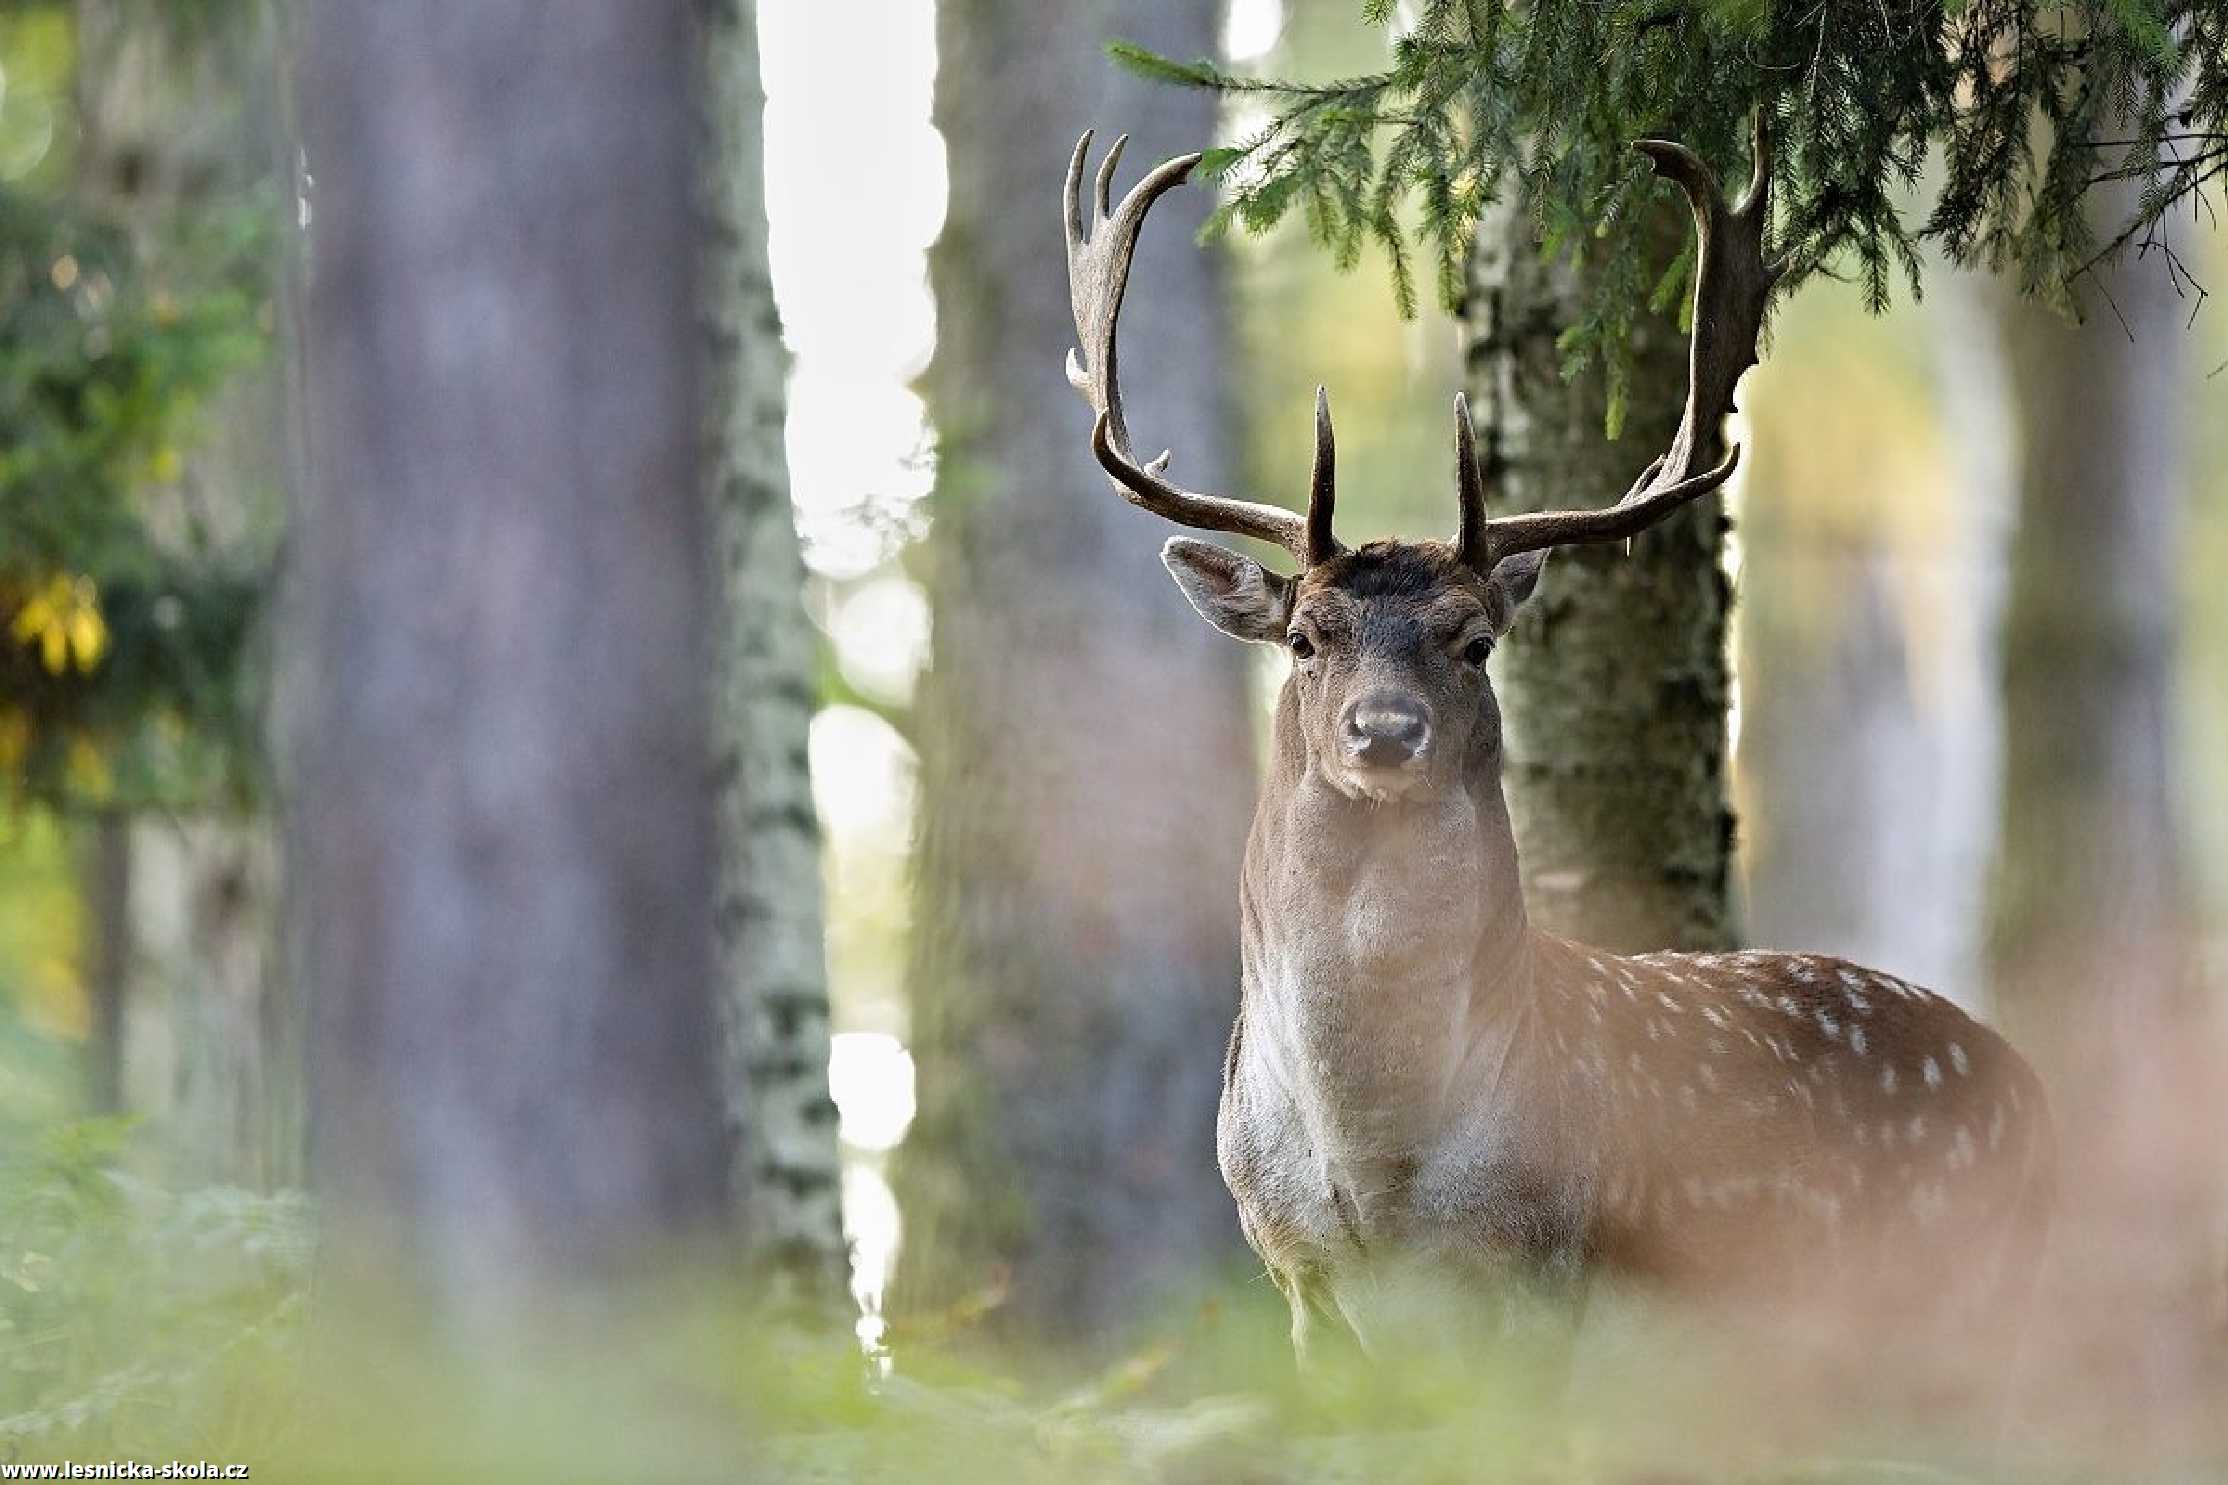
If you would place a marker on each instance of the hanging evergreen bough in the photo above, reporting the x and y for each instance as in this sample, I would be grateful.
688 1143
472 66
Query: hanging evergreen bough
2028 106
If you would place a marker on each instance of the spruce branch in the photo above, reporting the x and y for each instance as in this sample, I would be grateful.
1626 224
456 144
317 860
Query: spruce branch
2025 108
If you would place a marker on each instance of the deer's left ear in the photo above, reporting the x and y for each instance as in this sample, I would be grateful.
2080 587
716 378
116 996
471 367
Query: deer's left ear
1235 594
1512 581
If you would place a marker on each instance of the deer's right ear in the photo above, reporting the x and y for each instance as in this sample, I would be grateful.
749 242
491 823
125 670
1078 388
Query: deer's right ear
1235 594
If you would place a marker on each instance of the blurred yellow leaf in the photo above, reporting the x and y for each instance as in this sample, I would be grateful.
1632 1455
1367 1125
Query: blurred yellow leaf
64 620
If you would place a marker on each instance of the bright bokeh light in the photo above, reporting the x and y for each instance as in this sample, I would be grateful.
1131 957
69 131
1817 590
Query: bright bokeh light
870 1077
881 630
862 776
855 190
1250 28
857 464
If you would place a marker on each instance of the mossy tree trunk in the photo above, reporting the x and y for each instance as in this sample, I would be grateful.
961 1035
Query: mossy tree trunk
773 968
1086 752
1614 683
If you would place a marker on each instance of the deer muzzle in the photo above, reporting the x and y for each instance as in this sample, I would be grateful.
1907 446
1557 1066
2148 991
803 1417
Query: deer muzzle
1385 732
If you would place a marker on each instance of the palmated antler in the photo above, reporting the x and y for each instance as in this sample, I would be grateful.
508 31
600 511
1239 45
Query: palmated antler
1098 273
1732 287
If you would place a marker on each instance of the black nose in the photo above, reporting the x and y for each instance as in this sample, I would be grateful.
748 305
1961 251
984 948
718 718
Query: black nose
1384 732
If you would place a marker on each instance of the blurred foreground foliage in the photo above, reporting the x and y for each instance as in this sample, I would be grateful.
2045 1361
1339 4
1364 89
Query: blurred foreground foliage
136 1321
142 1324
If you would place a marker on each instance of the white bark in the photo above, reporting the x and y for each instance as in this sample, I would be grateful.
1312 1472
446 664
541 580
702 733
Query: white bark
773 964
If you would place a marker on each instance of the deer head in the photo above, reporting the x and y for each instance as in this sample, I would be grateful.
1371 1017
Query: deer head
1389 641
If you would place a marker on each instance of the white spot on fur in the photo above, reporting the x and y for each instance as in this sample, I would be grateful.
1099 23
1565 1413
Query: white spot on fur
1962 1151
1856 1040
1887 1078
1957 1059
1932 1072
1715 1017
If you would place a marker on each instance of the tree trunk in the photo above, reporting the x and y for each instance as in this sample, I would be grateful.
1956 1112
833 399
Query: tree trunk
502 804
176 117
773 967
1614 682
205 895
2089 935
1086 758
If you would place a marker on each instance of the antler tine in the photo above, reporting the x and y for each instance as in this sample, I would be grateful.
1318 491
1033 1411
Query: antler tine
1732 288
1098 275
1469 482
1104 190
1322 488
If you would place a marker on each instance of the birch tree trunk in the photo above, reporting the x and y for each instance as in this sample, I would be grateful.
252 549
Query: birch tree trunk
1614 682
773 967
502 804
1086 753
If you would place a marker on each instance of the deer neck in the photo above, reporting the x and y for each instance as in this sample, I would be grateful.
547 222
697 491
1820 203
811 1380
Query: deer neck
1386 946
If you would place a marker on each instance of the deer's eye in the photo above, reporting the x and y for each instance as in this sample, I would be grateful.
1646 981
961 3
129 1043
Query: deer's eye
1476 651
1302 646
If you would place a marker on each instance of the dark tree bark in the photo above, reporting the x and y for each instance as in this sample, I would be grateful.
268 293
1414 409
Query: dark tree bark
773 965
1086 758
501 828
1614 682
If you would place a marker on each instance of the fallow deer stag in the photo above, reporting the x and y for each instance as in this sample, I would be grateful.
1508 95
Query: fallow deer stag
1419 1076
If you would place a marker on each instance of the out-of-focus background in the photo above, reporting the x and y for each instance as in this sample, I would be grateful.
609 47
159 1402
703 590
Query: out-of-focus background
1979 557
